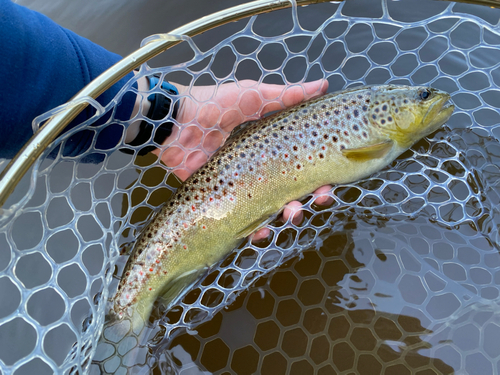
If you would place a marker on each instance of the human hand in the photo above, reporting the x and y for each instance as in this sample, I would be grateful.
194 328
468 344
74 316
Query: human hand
228 106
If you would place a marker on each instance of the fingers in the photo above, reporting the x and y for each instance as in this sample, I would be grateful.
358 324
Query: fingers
261 234
293 210
291 95
323 198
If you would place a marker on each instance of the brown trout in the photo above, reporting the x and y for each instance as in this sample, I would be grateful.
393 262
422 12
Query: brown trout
338 138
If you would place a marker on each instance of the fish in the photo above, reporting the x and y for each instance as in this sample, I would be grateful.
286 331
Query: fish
338 138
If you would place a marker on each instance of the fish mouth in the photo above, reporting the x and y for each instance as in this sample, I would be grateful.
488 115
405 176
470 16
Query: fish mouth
438 113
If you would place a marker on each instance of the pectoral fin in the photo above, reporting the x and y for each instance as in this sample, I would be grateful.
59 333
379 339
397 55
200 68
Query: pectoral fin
375 151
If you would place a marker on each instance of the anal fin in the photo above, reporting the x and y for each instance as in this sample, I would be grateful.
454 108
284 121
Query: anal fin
177 288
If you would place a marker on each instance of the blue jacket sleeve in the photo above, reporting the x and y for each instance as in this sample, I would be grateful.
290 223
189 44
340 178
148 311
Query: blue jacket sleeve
43 65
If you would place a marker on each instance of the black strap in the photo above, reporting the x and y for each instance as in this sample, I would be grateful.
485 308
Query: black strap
160 107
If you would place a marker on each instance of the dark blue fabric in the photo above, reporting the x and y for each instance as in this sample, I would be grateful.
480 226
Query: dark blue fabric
42 66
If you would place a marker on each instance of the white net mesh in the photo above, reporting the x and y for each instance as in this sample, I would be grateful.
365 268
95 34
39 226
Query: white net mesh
406 278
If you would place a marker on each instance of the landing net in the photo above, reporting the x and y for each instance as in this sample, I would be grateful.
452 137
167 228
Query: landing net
400 274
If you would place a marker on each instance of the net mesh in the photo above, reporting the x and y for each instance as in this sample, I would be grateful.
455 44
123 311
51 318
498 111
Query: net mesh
399 274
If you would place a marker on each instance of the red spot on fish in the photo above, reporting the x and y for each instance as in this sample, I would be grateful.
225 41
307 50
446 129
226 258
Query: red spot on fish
150 288
193 207
286 155
185 225
231 199
310 158
185 247
236 174
140 273
260 178
157 261
263 155
211 199
323 147
150 270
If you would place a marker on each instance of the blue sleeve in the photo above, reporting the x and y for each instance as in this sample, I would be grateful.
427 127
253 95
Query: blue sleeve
43 65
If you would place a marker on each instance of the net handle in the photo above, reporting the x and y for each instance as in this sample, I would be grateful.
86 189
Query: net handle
29 153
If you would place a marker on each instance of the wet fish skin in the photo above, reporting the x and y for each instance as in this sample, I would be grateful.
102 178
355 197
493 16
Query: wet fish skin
337 138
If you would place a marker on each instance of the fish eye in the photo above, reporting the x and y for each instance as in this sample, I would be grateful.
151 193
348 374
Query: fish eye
425 94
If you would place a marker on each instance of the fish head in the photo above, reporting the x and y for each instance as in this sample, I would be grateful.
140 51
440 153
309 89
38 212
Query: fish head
407 113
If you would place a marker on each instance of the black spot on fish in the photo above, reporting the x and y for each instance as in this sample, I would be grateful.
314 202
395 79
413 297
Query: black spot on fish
346 107
356 127
286 137
327 113
315 134
313 143
337 112
275 135
348 117
321 156
364 108
335 139
325 136
384 107
315 116
365 135
216 188
356 113
382 121
389 118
